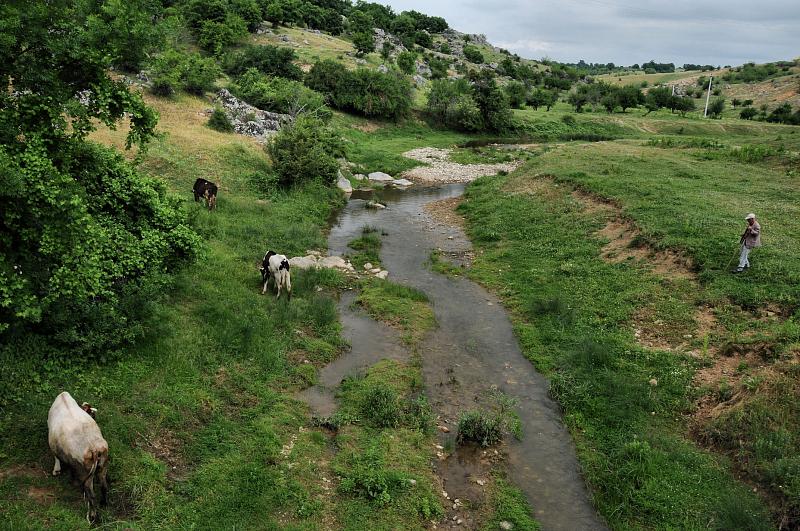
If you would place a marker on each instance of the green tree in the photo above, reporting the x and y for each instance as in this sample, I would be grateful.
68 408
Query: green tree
215 36
386 50
134 28
491 101
609 102
360 22
82 233
274 14
516 93
629 96
267 59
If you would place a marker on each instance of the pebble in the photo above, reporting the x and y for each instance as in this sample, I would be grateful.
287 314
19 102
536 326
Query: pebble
368 266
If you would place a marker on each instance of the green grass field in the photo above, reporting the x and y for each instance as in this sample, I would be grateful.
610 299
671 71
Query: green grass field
661 426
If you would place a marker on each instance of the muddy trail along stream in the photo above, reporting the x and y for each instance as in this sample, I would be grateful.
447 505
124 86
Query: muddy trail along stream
472 350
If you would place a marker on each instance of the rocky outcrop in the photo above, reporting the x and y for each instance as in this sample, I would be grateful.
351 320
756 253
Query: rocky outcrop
380 177
249 120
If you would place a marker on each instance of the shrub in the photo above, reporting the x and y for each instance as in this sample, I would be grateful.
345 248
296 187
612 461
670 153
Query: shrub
716 107
123 232
219 121
267 59
487 427
281 95
214 36
439 67
364 42
173 70
199 74
480 427
363 91
473 55
568 119
406 61
166 72
305 150
445 48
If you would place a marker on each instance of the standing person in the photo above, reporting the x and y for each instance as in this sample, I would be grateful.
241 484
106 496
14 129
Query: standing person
750 238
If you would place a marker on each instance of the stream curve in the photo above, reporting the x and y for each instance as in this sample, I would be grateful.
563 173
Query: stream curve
473 349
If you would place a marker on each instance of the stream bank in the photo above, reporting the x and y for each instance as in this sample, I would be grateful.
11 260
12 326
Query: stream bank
471 353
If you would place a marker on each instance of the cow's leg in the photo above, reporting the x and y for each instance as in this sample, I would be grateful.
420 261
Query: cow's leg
278 282
57 467
102 475
288 287
91 500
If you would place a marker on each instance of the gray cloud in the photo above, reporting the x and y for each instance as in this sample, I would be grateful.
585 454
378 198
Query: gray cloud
718 32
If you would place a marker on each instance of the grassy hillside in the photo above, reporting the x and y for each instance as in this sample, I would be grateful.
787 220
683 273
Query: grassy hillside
676 376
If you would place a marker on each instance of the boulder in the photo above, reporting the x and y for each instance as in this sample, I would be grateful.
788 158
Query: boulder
359 177
343 184
367 266
303 262
335 262
375 204
419 80
401 183
380 177
382 275
249 120
383 69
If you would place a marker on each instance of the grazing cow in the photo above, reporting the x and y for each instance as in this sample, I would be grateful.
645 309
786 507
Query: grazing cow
276 266
207 190
76 441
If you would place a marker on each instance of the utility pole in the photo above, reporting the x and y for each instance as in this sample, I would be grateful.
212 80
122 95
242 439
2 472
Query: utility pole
708 96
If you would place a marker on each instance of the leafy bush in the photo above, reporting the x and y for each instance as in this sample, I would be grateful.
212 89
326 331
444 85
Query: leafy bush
83 234
478 106
748 113
363 91
473 55
364 42
281 95
199 74
173 70
304 151
406 62
136 29
267 59
716 107
219 121
438 67
214 36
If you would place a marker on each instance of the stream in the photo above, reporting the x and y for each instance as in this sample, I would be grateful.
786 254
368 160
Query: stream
472 350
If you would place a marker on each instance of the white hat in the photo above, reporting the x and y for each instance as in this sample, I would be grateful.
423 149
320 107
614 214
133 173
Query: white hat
750 216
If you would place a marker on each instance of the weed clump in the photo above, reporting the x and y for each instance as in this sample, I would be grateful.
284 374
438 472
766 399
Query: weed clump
488 426
367 476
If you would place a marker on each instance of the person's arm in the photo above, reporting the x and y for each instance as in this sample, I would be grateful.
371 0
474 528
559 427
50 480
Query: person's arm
755 230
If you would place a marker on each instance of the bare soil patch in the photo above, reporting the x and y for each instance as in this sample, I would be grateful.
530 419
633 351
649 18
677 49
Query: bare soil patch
444 211
166 447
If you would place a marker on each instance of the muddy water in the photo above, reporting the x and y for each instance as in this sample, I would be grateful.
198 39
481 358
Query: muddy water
472 350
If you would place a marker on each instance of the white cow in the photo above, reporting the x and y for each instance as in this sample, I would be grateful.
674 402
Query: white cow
76 441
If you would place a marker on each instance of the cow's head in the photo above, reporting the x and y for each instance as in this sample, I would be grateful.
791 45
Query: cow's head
91 411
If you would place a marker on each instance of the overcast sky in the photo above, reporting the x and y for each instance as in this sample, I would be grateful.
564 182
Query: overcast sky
718 32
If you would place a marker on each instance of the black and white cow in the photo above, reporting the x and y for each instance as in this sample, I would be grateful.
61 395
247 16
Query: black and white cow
276 266
207 190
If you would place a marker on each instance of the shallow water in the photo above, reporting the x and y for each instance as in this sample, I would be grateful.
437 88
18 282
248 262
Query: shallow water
472 350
